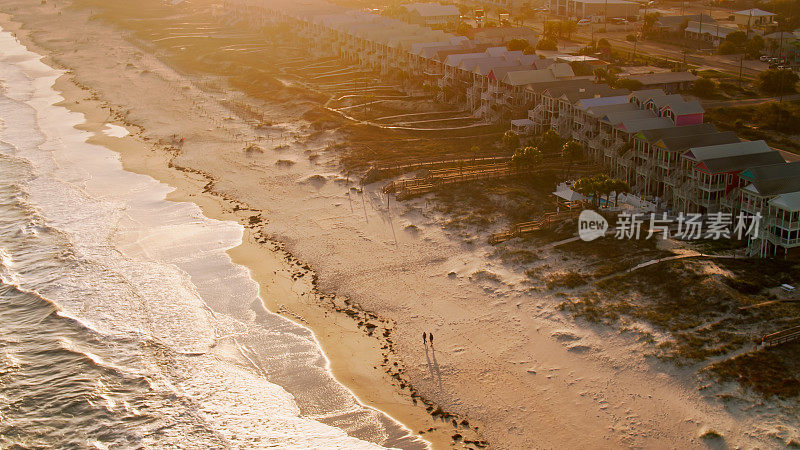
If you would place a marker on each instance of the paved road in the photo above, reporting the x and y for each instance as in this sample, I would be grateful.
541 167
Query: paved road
748 102
725 64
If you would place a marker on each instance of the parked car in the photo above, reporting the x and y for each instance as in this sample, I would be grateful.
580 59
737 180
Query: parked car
619 21
584 22
764 58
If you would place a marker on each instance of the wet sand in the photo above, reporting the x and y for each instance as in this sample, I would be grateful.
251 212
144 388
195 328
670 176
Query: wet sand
501 360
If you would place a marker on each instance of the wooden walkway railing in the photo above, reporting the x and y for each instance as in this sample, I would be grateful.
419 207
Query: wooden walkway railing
376 173
788 335
409 187
526 227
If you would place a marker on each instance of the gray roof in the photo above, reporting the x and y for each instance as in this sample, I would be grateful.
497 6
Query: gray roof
594 102
774 179
683 143
432 9
651 79
557 88
686 108
727 150
636 125
653 136
734 157
617 117
597 90
741 162
789 202
755 12
602 110
675 21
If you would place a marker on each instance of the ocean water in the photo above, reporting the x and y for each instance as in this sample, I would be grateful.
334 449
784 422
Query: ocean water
122 320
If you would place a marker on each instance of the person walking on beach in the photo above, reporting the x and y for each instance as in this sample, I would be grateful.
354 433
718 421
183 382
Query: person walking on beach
430 337
424 339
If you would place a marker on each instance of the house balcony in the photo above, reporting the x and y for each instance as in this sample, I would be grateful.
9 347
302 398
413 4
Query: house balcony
732 201
788 225
711 187
783 242
537 114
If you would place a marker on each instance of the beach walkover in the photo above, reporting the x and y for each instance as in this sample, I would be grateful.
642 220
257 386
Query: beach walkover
409 187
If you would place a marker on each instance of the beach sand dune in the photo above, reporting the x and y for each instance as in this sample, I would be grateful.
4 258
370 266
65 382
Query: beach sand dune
503 360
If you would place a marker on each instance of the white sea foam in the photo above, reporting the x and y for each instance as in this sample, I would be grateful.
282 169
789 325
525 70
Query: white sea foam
115 131
137 268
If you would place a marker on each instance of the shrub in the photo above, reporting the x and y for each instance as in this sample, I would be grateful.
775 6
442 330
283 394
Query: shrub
631 85
547 44
777 81
704 88
517 44
727 48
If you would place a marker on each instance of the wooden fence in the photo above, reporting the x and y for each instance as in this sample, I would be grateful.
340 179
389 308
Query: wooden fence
788 335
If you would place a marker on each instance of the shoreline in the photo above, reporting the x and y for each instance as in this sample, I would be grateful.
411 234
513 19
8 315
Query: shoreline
272 271
500 349
272 267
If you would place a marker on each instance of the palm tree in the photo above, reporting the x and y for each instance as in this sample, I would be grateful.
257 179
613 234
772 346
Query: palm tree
620 186
600 74
604 186
572 151
586 186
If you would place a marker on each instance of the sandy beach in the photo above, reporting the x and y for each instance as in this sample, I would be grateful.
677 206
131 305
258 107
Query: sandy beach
506 367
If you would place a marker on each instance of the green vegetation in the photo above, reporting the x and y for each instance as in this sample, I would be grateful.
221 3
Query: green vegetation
631 85
510 140
569 280
550 141
704 88
600 185
527 158
695 305
774 122
738 42
517 44
547 44
769 372
778 81
572 151
559 28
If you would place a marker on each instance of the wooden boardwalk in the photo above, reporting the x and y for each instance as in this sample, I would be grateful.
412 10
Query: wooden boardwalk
435 178
376 173
541 223
781 337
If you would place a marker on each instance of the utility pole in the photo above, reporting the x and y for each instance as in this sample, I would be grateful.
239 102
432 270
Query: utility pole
700 31
741 63
749 19
781 60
